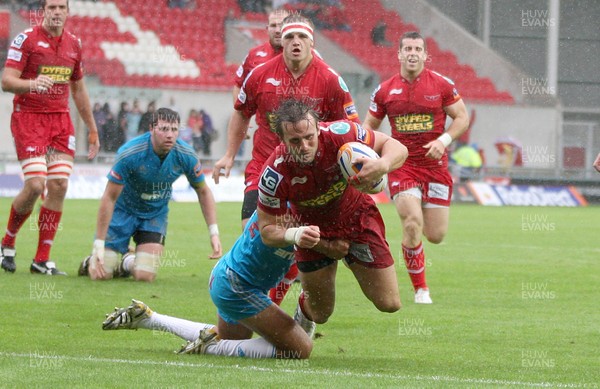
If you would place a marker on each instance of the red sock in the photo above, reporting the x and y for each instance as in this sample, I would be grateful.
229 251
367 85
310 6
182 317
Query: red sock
415 264
278 293
15 222
48 222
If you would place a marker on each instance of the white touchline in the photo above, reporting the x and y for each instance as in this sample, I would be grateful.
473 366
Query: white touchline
343 373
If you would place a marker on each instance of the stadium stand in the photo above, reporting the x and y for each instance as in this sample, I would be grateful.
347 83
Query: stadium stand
383 60
138 43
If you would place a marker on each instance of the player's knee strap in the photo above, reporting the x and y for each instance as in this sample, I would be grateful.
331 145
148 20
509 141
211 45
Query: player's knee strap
60 169
111 260
34 167
147 262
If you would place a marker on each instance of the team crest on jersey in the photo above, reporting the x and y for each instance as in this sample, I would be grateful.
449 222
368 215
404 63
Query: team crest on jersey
343 84
269 181
19 40
432 98
339 128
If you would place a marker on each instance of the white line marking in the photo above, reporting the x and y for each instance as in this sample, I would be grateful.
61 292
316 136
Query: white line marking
326 372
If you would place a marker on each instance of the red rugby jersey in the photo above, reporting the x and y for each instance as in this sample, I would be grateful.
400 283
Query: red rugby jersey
34 52
318 193
415 111
256 56
270 83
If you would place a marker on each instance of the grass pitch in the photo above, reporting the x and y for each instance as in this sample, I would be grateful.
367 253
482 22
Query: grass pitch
515 293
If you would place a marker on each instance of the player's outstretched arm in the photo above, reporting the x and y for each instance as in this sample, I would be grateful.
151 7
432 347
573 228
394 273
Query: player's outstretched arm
209 211
236 133
82 102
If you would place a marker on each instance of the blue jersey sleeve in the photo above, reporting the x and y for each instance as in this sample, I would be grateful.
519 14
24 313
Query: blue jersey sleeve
192 167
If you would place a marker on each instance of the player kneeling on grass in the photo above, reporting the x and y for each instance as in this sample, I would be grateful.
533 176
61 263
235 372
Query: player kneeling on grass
136 199
238 286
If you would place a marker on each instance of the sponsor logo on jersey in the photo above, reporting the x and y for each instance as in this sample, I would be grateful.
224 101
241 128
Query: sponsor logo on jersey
438 191
273 81
269 181
242 95
268 201
43 44
335 191
18 41
362 134
299 180
59 74
285 254
414 122
150 196
261 54
343 85
431 98
350 110
396 91
339 128
14 55
198 169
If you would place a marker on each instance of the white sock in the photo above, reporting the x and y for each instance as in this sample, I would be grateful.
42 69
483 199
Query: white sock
248 348
185 329
128 261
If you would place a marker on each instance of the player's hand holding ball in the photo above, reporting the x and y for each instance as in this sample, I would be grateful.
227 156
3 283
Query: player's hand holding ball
353 157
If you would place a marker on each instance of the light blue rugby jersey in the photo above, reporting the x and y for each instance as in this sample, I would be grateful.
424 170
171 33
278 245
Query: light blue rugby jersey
147 181
260 265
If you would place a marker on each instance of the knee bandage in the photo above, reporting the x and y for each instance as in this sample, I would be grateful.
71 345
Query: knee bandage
34 167
147 262
60 169
111 261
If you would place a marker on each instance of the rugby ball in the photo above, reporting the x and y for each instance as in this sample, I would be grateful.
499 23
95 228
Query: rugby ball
347 156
